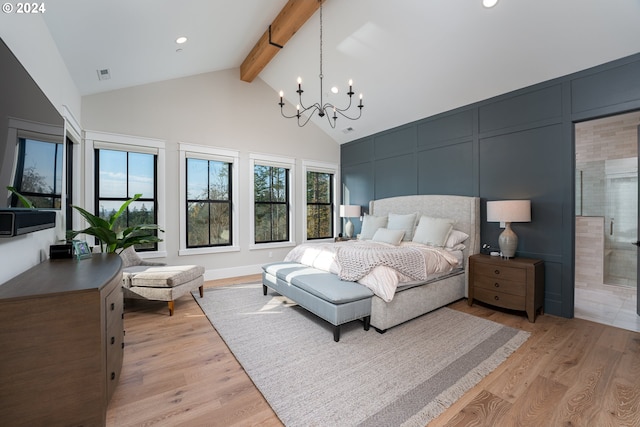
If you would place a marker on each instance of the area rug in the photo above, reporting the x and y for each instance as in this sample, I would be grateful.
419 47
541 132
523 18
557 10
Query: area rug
404 377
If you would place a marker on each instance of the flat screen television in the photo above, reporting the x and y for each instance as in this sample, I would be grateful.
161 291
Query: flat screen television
31 138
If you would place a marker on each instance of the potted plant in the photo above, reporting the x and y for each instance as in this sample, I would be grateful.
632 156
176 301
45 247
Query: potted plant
110 240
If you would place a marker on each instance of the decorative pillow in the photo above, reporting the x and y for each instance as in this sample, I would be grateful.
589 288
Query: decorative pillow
433 231
405 222
393 237
455 238
370 225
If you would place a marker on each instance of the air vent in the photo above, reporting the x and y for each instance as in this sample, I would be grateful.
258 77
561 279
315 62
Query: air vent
104 74
348 130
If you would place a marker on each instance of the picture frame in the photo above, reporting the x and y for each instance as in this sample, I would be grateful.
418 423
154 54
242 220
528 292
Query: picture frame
81 249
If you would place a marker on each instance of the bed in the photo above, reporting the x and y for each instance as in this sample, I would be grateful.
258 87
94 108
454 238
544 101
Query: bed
414 300
412 294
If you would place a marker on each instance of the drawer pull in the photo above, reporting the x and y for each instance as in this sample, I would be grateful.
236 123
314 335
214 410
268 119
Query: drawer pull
497 285
113 340
113 306
496 272
497 298
122 345
113 376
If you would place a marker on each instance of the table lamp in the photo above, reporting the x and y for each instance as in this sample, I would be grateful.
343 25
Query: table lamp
508 211
349 211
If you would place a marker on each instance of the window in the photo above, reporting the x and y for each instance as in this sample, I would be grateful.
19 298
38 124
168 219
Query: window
121 174
209 199
272 200
39 172
208 203
319 180
271 186
319 205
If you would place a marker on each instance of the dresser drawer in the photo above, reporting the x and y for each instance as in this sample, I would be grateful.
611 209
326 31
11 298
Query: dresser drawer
498 271
114 334
500 299
499 284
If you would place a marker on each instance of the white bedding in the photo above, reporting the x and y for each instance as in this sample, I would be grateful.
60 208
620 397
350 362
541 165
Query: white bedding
381 279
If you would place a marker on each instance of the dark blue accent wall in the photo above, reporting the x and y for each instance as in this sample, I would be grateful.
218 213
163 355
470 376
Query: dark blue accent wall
519 145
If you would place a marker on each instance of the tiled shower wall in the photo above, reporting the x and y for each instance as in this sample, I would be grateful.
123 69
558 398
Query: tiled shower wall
596 141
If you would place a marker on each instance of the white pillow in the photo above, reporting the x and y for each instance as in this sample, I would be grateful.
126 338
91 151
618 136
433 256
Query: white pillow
433 231
455 238
370 225
405 222
393 237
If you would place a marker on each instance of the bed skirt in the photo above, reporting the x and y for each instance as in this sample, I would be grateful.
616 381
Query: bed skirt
415 301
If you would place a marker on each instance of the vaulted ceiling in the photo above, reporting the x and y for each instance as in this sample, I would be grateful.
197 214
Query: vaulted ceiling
410 58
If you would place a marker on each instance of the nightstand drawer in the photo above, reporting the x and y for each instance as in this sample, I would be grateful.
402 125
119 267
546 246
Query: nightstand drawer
500 299
499 271
499 284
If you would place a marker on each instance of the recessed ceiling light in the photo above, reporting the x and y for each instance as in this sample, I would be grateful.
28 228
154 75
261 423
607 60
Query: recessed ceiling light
181 40
489 3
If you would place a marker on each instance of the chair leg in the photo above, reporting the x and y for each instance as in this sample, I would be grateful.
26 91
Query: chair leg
201 288
171 307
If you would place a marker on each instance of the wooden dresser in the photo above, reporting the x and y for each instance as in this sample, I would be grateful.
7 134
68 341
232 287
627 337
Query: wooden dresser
61 342
516 283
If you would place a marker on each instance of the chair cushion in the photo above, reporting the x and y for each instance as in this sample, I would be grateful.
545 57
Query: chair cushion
323 285
162 276
130 257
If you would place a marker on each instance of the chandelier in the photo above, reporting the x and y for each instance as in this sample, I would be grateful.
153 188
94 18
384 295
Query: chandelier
328 110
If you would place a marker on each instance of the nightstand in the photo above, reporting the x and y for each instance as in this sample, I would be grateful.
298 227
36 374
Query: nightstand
515 284
343 239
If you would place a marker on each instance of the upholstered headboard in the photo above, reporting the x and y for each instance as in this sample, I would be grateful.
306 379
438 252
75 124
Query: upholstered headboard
464 210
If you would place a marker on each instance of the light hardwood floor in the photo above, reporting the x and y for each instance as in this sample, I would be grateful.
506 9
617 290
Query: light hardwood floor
571 372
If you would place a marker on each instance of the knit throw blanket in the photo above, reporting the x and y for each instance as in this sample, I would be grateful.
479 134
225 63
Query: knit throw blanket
358 261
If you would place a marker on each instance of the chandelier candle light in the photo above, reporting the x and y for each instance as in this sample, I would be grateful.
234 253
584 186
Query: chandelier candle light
324 109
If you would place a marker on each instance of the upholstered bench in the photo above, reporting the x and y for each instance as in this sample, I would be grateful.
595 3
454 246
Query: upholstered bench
323 294
159 282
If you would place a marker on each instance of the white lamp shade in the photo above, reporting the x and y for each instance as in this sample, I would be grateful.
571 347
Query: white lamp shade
349 211
509 211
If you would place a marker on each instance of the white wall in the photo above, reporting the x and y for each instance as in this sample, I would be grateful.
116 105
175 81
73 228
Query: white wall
28 38
219 110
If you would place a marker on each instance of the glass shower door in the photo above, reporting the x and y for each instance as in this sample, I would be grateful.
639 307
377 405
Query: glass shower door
621 222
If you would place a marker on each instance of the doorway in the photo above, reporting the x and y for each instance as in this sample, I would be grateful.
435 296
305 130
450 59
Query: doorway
606 220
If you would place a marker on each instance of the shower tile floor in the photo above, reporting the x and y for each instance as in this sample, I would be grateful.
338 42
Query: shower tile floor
607 304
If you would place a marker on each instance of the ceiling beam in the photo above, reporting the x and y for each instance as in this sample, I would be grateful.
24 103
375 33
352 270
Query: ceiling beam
290 19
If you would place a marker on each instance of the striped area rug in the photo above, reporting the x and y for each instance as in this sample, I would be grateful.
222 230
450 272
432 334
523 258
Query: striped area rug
405 377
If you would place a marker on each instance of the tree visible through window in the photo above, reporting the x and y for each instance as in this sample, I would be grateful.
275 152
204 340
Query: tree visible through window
120 176
39 173
208 203
319 205
271 187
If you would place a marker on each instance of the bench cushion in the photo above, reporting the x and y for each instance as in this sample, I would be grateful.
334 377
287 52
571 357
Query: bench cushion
161 276
324 285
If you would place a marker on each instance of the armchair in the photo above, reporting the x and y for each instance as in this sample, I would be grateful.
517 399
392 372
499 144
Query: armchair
156 281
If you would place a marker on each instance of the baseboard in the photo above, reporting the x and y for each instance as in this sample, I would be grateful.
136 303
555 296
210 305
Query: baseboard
225 273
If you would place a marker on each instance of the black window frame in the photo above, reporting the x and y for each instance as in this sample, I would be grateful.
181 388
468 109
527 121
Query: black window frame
273 203
330 204
153 201
209 202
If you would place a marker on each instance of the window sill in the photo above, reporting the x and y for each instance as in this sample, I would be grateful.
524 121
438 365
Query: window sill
275 245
